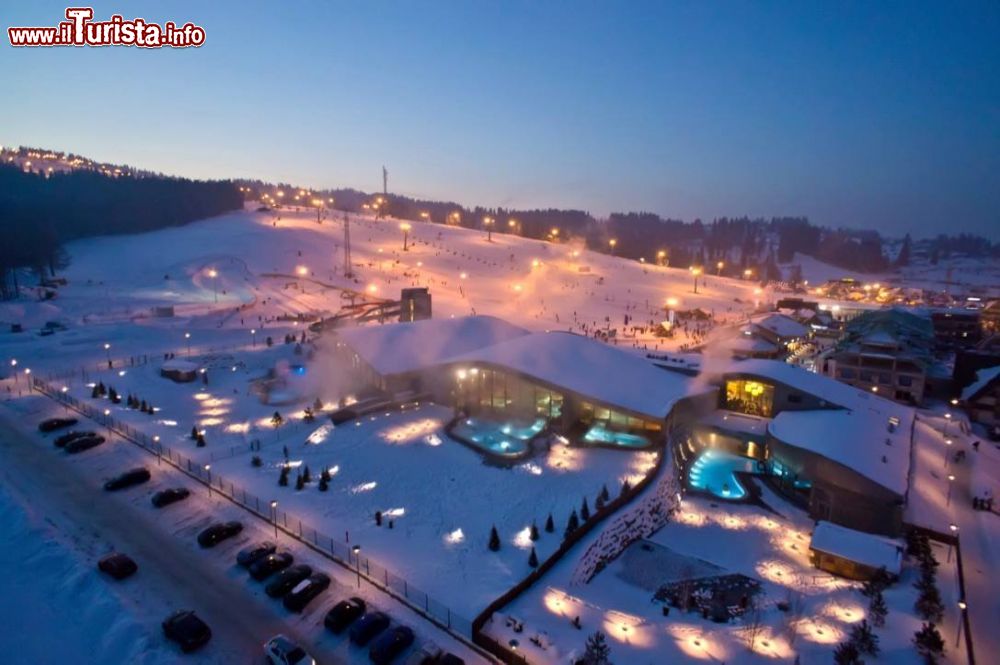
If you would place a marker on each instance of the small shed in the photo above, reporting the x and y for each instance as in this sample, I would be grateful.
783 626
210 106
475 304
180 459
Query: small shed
181 371
853 554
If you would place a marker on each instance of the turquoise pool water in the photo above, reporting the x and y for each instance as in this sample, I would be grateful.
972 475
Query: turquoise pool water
507 438
714 471
600 435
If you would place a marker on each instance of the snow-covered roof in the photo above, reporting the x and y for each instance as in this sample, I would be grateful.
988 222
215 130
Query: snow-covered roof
752 344
859 440
783 326
397 348
863 548
603 373
179 365
983 378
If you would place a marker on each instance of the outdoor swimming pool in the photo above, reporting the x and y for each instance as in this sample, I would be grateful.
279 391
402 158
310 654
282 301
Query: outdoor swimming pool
714 471
600 435
507 438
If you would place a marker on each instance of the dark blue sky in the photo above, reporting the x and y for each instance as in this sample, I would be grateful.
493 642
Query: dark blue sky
874 114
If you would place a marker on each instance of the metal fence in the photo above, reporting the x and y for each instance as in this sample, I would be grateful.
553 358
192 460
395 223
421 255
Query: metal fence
340 551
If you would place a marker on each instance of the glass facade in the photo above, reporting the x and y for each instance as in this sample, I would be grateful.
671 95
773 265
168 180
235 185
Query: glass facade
615 420
482 389
750 397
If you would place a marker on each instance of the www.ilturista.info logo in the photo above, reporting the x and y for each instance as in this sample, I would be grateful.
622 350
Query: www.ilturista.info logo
81 30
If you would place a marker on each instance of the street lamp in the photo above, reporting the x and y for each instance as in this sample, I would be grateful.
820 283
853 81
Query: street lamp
357 557
274 516
253 336
425 215
748 273
661 257
107 350
963 606
187 336
208 470
107 421
405 228
951 482
213 273
718 267
696 271
488 223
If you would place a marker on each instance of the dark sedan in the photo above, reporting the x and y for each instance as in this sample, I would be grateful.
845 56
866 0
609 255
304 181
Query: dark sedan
52 424
269 565
84 443
250 555
169 496
61 441
304 593
131 477
390 644
287 579
185 628
216 533
368 626
117 565
343 614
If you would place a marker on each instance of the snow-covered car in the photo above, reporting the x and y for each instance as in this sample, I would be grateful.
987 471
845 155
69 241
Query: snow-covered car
187 629
218 532
249 555
52 424
263 568
368 626
305 591
117 565
169 496
135 476
83 443
343 614
287 580
61 441
282 651
390 644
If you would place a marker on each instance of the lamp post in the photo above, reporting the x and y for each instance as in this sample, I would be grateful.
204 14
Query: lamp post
187 337
488 223
718 268
405 228
963 606
274 516
107 351
951 482
208 470
661 257
13 364
213 273
107 421
947 422
613 243
947 451
748 273
357 557
253 336
954 529
696 271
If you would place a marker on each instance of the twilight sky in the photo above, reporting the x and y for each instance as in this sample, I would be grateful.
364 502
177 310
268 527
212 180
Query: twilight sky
874 114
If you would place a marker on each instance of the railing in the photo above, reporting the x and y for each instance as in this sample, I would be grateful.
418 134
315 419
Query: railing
338 551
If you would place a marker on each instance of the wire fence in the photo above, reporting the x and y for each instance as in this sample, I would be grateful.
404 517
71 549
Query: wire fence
340 551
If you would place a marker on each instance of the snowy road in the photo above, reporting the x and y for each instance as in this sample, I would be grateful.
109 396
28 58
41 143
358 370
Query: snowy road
63 493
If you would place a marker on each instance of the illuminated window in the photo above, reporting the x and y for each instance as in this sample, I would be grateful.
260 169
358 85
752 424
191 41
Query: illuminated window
751 397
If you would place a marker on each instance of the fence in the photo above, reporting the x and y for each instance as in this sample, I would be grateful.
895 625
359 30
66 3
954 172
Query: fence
338 551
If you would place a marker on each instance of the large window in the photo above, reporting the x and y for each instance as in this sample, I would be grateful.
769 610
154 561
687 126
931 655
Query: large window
483 389
750 397
616 420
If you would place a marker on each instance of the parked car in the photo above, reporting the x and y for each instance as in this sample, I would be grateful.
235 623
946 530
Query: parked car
131 477
62 440
368 626
187 629
52 424
426 654
305 591
449 659
218 532
117 565
265 567
84 443
343 614
169 496
390 644
250 555
287 579
282 651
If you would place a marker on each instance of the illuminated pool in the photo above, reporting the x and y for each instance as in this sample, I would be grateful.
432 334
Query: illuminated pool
600 435
714 471
507 438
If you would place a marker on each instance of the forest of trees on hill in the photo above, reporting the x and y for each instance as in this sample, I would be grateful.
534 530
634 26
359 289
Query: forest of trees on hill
39 213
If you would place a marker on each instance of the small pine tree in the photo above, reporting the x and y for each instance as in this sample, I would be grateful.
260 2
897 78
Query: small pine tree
584 510
324 476
143 406
276 419
865 639
256 461
299 482
194 433
847 653
96 392
533 559
626 487
929 644
283 478
550 525
200 443
318 405
101 390
494 540
605 495
306 476
929 606
324 484
533 534
572 524
597 651
878 609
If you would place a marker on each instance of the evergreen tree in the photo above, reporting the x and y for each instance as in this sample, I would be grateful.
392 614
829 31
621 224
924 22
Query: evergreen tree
194 433
96 392
534 532
903 259
533 559
605 495
550 525
626 487
847 653
929 605
878 609
299 482
324 484
572 524
256 461
283 478
200 442
929 644
318 405
597 651
306 476
865 639
584 510
324 475
494 540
